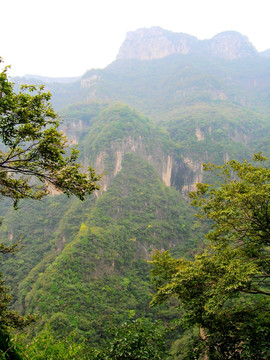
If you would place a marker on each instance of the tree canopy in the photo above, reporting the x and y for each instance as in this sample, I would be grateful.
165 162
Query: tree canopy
33 158
224 292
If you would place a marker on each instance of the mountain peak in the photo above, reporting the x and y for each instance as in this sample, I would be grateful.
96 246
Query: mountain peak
155 43
231 45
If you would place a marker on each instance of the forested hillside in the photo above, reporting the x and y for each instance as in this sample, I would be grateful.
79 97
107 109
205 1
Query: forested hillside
147 126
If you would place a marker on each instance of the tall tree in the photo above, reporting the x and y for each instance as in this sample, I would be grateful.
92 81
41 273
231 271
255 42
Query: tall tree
32 146
33 158
224 292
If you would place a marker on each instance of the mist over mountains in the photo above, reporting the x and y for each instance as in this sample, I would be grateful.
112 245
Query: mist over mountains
147 122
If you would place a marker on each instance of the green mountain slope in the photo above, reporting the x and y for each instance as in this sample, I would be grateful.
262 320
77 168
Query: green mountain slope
43 228
158 86
101 275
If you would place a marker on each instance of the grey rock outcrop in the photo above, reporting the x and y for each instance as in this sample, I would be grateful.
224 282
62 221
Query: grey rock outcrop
227 45
156 43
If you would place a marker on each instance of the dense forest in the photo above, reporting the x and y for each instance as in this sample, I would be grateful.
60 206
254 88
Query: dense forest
162 255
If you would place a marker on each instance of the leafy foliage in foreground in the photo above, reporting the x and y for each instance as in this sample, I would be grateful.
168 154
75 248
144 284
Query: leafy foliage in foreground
32 159
225 291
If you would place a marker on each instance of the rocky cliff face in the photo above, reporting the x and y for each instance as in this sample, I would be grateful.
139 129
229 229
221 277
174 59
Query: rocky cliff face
182 175
156 43
228 45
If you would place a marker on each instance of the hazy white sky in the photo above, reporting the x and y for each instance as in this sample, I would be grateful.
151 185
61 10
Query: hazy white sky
67 38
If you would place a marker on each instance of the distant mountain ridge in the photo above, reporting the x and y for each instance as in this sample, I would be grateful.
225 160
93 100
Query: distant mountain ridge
155 43
50 79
